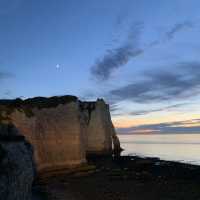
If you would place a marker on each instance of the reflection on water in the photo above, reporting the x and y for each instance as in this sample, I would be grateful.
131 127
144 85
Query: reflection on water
177 147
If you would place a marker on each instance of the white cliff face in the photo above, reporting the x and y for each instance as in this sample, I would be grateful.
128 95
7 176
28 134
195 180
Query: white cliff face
56 135
62 135
99 130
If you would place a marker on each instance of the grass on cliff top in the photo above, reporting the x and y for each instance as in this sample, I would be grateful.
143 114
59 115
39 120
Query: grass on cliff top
8 106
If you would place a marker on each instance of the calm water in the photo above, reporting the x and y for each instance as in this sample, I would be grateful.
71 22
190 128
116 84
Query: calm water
176 147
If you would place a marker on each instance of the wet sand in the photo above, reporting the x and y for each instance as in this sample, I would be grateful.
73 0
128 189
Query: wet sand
123 178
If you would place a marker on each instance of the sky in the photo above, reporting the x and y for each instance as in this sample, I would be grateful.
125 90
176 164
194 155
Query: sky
141 56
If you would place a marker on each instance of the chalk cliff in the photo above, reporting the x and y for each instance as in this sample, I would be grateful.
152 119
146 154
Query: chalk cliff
101 137
63 129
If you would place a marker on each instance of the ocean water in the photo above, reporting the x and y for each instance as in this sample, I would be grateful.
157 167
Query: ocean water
174 147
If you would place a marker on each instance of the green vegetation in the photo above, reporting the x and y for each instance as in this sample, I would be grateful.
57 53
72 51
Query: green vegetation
26 106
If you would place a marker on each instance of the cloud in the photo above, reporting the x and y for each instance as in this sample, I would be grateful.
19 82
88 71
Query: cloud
113 107
171 33
145 112
177 28
7 93
122 17
162 85
5 75
116 110
118 57
188 126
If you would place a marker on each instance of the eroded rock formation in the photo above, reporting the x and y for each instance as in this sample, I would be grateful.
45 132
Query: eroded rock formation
63 129
16 165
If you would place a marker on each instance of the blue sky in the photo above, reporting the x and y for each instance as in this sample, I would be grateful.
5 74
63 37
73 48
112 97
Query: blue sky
141 56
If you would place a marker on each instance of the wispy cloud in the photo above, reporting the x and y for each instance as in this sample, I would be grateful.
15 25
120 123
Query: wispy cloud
6 75
116 111
7 94
166 108
188 126
118 57
171 33
177 28
122 17
162 85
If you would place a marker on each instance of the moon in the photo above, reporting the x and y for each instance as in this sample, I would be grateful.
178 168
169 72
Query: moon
57 66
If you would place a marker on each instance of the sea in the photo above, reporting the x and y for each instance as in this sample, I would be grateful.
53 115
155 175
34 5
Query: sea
172 147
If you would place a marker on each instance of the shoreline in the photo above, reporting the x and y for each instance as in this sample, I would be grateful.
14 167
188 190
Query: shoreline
124 178
161 159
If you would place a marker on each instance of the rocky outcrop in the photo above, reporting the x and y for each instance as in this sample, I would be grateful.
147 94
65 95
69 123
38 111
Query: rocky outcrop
116 143
16 165
63 129
100 132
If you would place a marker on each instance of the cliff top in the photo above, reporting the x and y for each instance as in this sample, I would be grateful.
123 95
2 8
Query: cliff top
37 102
8 106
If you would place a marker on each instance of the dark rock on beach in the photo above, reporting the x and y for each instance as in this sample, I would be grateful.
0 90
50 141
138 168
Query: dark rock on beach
123 178
16 165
